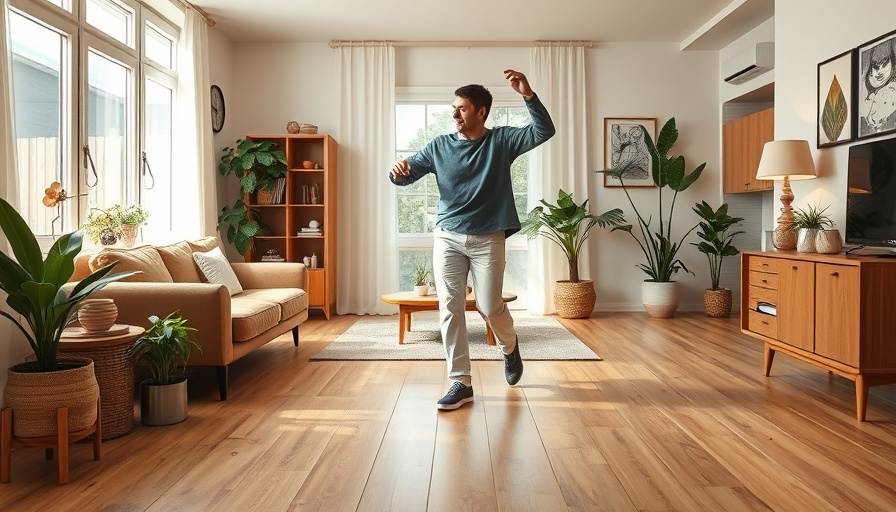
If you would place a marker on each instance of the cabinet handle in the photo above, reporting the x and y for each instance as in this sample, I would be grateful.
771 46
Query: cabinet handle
793 267
764 322
764 280
835 274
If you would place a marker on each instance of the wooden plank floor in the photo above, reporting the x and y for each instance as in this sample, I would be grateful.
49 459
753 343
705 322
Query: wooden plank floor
677 417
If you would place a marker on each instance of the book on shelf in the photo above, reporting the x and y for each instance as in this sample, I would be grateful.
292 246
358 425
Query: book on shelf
767 308
312 230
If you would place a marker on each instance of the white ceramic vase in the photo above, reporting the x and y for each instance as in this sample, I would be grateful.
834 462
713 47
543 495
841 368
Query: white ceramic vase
805 239
660 299
421 290
828 241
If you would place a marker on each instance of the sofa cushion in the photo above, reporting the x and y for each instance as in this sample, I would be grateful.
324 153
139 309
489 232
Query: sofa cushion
216 269
292 301
204 244
178 259
252 317
144 258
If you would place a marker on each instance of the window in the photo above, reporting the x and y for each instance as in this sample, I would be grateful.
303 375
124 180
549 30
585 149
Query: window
93 102
421 115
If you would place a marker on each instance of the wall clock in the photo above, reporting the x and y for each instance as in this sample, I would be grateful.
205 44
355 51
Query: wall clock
217 109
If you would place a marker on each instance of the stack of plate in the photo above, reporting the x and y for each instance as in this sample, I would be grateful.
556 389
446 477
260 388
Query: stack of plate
307 128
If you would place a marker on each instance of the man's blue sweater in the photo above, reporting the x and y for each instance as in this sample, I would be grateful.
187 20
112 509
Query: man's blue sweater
473 176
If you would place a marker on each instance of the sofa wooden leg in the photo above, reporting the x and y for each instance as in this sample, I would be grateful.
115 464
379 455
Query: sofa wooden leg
222 382
295 335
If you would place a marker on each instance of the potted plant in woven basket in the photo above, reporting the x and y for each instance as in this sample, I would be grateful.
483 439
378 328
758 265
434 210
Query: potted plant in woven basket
659 293
35 390
568 225
258 164
716 245
164 350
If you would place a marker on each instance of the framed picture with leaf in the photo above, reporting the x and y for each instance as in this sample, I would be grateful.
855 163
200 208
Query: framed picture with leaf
624 143
836 111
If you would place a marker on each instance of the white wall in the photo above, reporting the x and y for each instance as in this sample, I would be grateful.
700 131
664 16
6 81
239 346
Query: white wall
808 32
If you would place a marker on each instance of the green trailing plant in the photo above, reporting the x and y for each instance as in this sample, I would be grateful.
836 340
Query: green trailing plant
421 274
102 222
717 239
34 285
258 164
657 244
813 217
131 215
568 225
164 349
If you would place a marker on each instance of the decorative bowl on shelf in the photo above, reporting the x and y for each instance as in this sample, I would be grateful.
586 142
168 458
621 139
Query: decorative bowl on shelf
308 164
97 314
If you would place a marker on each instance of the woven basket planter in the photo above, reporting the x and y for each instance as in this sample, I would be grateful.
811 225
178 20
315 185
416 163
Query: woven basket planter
717 302
264 197
35 396
574 299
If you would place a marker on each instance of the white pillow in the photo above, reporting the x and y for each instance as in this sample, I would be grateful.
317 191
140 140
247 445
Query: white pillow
216 268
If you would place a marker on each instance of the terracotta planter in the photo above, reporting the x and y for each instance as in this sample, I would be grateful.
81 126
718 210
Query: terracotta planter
164 404
574 299
35 396
660 299
717 302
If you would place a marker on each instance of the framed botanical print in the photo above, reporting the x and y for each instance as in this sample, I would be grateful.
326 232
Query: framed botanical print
876 86
624 143
836 112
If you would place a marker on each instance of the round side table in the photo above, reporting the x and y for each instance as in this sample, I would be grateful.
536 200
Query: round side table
114 372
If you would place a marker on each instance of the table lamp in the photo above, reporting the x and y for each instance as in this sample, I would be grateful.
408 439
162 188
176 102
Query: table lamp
786 160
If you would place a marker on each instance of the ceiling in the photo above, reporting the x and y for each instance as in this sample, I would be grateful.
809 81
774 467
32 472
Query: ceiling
694 24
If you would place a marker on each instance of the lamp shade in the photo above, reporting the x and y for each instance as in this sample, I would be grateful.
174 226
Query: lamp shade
859 176
786 158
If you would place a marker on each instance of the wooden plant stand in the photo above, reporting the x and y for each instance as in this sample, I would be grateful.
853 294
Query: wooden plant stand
60 441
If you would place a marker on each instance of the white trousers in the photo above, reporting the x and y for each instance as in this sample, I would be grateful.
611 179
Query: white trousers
482 256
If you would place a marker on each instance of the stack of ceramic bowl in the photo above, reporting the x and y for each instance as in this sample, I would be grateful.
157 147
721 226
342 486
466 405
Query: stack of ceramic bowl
308 128
97 314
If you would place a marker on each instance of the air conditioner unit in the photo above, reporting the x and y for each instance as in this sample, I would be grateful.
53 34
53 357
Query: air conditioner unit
749 63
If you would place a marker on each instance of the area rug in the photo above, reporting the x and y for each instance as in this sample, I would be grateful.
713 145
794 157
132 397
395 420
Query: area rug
376 338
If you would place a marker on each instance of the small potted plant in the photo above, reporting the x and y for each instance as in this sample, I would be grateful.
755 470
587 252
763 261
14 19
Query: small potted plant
716 245
421 276
129 219
807 223
102 226
164 350
568 225
258 164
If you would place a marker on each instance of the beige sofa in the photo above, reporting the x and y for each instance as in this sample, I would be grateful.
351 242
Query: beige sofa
272 303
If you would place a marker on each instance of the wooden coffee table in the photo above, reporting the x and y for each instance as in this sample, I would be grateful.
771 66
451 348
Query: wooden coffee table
409 303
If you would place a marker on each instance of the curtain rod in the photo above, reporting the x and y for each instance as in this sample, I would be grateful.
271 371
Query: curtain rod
208 17
461 44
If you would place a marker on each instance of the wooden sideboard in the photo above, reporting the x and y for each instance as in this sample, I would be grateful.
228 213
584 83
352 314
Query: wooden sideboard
830 310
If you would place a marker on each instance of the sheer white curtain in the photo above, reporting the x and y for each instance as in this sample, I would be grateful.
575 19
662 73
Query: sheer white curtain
558 77
194 198
13 345
367 251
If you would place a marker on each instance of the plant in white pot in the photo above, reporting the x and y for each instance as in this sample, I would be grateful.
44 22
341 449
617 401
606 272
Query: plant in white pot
716 245
421 276
808 223
34 288
659 293
164 350
568 225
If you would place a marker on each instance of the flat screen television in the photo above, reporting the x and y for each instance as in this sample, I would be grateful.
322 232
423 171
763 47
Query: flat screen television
871 196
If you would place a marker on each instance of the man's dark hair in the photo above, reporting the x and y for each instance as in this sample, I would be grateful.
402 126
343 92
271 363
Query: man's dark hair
478 96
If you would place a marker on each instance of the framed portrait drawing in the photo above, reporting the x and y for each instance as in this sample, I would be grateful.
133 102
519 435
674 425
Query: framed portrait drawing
836 112
876 86
624 143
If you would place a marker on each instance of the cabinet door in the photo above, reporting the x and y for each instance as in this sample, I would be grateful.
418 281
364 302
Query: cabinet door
317 282
732 157
837 312
796 303
761 130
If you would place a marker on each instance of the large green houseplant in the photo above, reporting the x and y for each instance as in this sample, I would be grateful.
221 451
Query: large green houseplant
569 224
657 242
714 230
34 289
258 164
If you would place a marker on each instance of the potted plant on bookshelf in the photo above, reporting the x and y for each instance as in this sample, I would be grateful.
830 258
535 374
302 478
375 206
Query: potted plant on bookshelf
35 390
421 274
568 224
808 223
258 164
716 245
659 292
164 350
